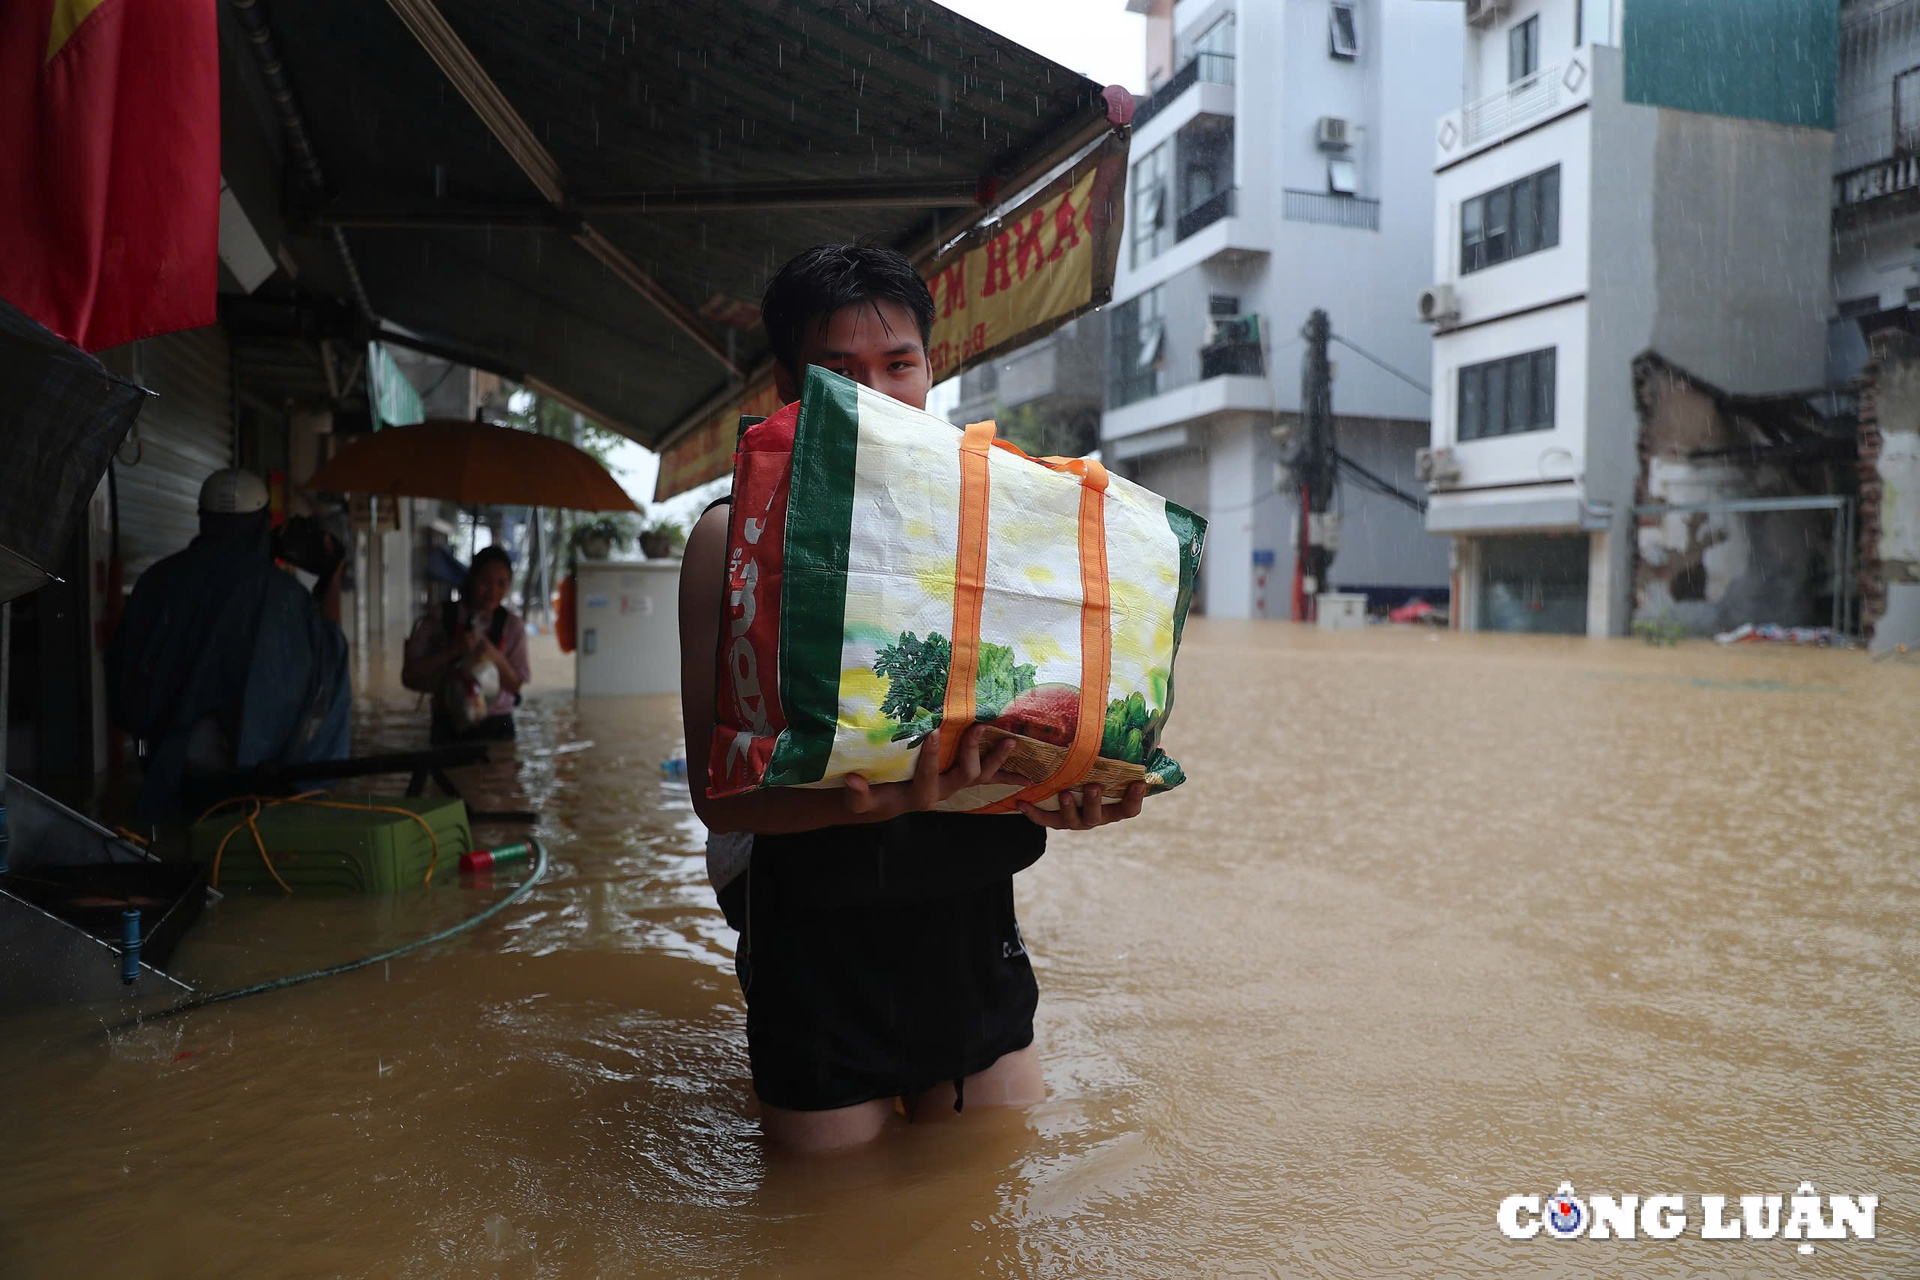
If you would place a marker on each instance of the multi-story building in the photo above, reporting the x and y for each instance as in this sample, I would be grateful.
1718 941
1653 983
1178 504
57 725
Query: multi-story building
1280 166
1876 185
1047 395
1874 336
1626 179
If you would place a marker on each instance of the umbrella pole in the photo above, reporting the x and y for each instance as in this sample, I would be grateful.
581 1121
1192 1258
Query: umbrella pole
537 563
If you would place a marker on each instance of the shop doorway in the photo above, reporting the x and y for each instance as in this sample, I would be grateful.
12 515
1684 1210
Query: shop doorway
1536 583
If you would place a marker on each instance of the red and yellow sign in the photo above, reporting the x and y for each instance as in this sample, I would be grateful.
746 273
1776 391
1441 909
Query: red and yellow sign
1011 280
706 452
1032 270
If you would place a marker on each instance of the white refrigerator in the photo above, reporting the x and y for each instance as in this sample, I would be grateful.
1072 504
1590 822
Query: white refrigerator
626 627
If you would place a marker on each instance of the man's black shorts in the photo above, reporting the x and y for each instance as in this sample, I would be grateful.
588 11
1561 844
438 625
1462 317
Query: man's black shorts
846 1004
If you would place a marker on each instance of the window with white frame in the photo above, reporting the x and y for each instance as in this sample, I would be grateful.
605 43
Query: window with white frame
1523 49
1906 112
1214 52
1506 397
1139 336
1150 216
1510 222
1343 30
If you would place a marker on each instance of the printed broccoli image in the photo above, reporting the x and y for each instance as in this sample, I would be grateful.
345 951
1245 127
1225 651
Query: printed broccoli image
917 670
1128 732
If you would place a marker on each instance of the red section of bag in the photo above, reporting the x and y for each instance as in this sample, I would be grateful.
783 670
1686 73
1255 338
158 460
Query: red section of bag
748 719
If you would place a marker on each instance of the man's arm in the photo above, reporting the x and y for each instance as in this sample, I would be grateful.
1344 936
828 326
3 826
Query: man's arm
781 810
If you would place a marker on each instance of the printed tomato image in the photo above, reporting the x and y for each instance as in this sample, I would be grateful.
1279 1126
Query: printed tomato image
1047 713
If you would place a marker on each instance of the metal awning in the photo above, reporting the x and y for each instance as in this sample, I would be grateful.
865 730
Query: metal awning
589 196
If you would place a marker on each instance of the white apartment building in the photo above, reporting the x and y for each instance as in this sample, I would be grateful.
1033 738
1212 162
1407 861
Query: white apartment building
1281 165
1625 178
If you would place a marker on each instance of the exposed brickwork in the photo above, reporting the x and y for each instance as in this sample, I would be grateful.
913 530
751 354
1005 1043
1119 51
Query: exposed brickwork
1870 578
1892 350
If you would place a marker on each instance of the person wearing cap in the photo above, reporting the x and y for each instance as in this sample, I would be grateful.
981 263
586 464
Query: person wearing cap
222 661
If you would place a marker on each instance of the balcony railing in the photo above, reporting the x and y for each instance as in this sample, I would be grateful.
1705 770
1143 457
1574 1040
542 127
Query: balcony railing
1338 211
1529 98
1861 195
1232 357
1213 68
1209 211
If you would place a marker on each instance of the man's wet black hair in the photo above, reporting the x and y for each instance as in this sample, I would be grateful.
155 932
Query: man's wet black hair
820 281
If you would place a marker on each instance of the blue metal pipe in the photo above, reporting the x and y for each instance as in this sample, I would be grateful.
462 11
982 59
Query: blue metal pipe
129 945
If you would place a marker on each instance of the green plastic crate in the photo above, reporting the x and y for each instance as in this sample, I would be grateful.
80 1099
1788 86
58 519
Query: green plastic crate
357 850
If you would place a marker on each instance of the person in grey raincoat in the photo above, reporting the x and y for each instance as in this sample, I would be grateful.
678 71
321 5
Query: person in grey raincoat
223 661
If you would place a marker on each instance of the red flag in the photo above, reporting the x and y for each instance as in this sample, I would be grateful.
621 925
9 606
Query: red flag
110 147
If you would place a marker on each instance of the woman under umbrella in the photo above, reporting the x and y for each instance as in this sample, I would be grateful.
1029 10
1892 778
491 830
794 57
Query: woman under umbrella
465 650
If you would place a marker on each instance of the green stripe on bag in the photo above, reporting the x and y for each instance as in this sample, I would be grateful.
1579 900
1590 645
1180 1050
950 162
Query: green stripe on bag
813 591
1190 534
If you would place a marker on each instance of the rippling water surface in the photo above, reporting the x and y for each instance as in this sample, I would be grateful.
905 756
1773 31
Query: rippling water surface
1439 919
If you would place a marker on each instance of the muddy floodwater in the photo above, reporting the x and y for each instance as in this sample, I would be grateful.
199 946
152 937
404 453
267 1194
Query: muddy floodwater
1438 920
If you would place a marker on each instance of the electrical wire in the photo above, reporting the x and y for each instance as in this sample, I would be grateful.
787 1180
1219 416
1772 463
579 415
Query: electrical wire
1371 483
1407 378
260 804
392 953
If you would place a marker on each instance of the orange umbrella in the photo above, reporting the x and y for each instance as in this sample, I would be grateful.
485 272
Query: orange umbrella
475 464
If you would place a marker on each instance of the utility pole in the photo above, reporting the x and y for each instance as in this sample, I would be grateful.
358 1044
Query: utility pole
1313 470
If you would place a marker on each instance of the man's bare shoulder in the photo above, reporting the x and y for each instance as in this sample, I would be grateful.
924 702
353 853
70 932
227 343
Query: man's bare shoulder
710 529
705 558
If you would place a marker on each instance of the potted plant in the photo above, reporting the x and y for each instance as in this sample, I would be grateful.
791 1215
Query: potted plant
600 537
661 539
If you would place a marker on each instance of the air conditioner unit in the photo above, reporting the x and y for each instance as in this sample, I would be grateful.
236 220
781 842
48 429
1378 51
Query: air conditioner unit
1481 13
1333 134
1438 306
1239 330
1436 468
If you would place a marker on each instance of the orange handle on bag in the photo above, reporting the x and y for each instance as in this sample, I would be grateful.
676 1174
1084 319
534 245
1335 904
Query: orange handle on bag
1091 471
969 590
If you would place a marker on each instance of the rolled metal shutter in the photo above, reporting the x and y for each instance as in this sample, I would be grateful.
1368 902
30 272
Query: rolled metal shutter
185 431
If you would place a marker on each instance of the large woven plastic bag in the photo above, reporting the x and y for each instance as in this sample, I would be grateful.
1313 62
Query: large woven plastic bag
888 574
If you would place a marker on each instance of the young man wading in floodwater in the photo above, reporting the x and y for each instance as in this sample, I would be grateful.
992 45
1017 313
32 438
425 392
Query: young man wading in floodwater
879 955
